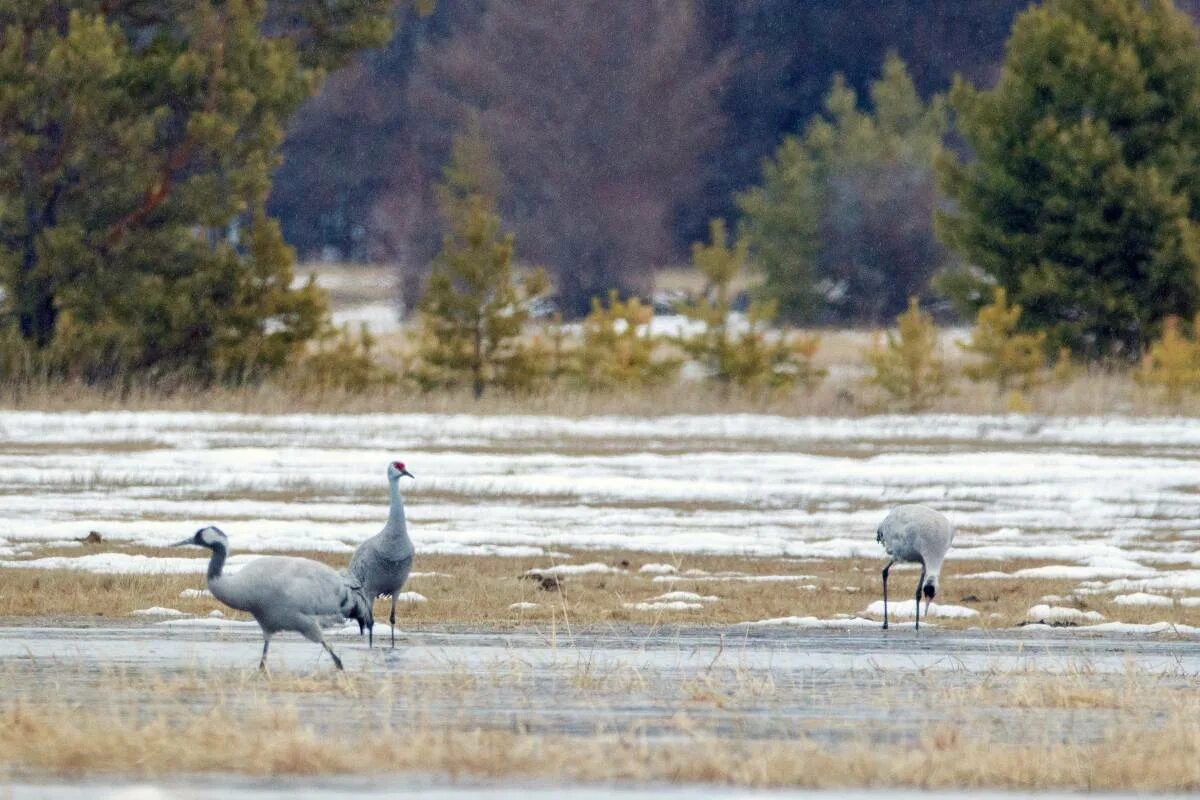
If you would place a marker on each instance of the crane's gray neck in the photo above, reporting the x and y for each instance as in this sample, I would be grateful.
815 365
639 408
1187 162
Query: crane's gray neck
397 526
217 562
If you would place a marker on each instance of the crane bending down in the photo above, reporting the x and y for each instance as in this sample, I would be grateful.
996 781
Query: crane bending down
283 593
381 564
916 534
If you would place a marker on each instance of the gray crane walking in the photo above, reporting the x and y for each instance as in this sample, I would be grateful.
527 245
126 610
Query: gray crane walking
283 593
381 564
915 534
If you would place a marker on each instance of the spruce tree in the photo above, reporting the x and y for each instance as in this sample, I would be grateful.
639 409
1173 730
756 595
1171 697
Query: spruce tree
618 348
138 145
840 225
908 366
1010 359
1172 362
744 353
474 310
1082 194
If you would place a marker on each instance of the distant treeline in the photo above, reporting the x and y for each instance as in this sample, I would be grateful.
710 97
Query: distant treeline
138 143
632 121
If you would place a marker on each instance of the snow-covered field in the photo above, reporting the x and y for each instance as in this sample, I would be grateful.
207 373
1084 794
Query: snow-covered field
1112 501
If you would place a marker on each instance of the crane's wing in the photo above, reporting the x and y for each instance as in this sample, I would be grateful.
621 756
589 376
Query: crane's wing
307 587
360 561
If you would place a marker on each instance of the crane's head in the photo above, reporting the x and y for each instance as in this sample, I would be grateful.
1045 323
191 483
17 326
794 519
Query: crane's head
930 591
396 469
210 537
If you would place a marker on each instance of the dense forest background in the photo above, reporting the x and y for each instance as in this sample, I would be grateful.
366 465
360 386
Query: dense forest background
621 127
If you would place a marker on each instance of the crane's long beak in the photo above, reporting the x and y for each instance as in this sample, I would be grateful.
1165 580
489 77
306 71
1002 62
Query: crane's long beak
186 541
928 600
409 474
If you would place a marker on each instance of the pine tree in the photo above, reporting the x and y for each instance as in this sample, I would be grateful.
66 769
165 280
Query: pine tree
1007 358
907 368
470 174
1083 195
841 222
750 355
473 311
1173 362
618 349
139 141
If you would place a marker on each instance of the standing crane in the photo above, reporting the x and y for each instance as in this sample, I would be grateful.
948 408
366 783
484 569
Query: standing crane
919 535
283 593
381 564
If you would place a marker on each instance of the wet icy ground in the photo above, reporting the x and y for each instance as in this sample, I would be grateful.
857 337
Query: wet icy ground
831 686
624 678
308 789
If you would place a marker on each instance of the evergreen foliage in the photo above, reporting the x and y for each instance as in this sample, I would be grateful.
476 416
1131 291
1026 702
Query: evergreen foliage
474 311
1173 362
750 357
342 361
841 222
1007 358
139 141
908 367
1083 196
617 349
470 175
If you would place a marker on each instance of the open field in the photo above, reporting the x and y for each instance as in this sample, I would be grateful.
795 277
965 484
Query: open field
670 599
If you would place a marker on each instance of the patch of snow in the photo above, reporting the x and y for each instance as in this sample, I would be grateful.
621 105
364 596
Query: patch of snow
906 609
741 578
562 570
411 597
190 594
1178 580
1061 615
675 605
126 564
1189 602
1079 573
685 596
523 606
1142 599
429 575
157 611
378 317
216 614
990 575
658 569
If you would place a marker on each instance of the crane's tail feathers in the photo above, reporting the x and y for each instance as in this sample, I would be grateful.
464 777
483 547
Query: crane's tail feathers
356 606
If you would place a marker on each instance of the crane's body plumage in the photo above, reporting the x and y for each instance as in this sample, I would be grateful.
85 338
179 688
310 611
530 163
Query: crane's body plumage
283 593
919 535
382 563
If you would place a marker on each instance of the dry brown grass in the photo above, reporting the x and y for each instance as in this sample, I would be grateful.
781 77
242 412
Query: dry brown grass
479 590
1092 391
241 725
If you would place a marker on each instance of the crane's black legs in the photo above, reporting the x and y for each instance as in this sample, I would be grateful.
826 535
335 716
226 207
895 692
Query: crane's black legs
392 619
262 662
917 601
885 574
337 662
